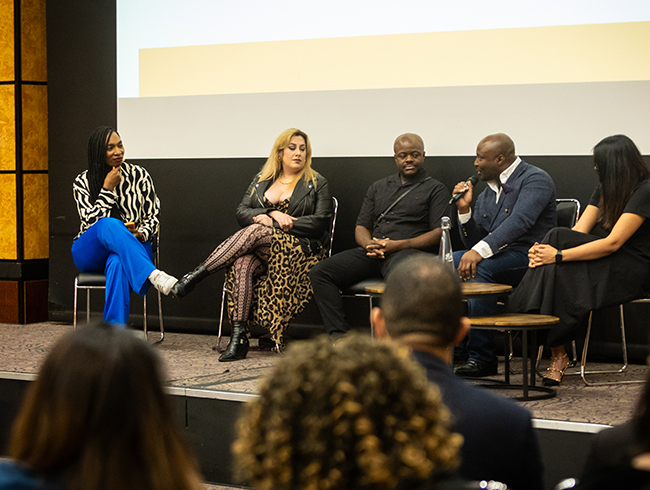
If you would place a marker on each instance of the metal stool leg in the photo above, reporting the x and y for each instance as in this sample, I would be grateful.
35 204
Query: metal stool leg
160 319
372 325
87 306
622 369
144 318
507 340
223 301
524 358
74 317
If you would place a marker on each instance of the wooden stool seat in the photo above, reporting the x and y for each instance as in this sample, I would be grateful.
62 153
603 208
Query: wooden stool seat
514 321
484 288
468 288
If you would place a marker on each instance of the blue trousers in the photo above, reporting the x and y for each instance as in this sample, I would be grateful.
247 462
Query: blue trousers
109 247
506 267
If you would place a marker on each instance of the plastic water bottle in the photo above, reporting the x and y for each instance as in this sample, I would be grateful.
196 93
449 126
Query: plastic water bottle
446 254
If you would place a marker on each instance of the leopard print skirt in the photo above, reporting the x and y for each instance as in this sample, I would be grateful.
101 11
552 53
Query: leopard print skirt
284 290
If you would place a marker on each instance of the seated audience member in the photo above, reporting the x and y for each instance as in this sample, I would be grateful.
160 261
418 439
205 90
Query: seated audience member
516 209
118 209
620 457
400 215
603 261
422 308
285 215
97 418
351 416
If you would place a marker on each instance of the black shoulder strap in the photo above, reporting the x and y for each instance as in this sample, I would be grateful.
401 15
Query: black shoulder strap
399 198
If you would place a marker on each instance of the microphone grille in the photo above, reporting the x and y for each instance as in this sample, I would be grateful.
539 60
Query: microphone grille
473 179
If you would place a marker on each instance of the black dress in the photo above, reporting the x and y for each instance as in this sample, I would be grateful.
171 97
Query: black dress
570 290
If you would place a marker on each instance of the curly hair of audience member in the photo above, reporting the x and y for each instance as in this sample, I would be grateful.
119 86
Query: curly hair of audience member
358 414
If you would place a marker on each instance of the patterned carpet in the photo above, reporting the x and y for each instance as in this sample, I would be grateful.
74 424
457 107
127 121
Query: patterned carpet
192 362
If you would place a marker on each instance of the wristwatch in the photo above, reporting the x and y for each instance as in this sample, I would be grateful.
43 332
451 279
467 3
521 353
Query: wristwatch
558 257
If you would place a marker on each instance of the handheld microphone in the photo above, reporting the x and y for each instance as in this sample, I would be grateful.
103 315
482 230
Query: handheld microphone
472 180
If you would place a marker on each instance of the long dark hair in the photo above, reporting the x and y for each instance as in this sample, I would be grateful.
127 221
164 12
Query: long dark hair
621 169
97 417
97 167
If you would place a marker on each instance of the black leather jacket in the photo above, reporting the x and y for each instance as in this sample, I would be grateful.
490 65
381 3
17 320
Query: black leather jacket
312 207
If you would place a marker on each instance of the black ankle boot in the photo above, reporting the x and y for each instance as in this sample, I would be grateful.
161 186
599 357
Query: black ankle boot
238 345
187 283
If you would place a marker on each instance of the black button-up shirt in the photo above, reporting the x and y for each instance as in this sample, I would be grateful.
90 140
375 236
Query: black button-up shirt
417 213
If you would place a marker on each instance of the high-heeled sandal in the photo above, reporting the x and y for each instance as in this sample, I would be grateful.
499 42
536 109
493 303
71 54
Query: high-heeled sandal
554 372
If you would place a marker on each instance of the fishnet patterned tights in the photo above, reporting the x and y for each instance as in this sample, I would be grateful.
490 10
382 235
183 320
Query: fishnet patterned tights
249 250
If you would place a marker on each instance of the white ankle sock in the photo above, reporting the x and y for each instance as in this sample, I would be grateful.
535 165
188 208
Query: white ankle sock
162 281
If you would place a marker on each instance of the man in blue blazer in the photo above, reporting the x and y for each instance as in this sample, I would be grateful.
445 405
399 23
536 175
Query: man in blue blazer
516 209
422 308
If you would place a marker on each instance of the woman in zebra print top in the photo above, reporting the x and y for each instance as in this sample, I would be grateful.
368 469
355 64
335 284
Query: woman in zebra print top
118 209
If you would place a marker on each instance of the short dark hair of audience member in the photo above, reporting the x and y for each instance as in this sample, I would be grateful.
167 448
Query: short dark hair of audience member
97 167
97 417
621 169
424 296
355 415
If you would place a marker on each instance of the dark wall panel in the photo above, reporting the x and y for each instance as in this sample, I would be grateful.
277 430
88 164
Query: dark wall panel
81 67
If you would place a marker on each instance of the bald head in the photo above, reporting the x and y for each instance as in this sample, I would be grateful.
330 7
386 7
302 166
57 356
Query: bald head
500 143
423 296
411 139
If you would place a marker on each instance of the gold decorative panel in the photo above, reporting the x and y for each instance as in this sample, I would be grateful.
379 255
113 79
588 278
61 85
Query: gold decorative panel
7 128
7 40
8 238
34 127
35 216
33 42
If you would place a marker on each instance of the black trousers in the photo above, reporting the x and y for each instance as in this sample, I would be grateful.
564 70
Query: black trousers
342 270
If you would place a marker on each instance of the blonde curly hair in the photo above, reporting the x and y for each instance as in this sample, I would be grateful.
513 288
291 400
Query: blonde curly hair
356 415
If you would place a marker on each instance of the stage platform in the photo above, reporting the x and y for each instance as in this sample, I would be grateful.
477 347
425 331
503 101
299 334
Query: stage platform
210 394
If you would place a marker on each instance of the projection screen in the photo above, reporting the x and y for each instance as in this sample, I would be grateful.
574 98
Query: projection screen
216 79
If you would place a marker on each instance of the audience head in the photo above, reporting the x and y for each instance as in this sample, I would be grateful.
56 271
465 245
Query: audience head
422 296
494 154
97 417
409 155
355 415
621 168
273 166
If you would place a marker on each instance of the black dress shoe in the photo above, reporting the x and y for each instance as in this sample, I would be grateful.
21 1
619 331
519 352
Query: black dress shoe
474 369
186 284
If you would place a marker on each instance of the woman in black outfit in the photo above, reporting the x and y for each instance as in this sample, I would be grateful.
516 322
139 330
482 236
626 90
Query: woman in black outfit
603 261
285 217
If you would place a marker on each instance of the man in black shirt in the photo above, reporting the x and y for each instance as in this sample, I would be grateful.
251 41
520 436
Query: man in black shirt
400 216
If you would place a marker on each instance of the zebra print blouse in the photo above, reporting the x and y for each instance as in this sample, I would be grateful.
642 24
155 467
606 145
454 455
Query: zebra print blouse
135 197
